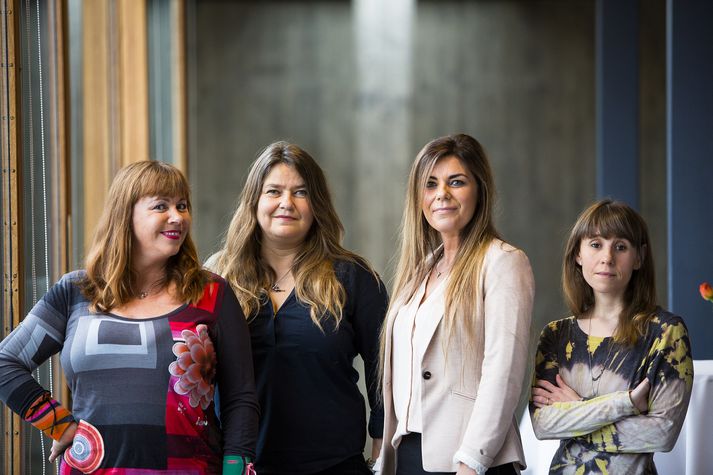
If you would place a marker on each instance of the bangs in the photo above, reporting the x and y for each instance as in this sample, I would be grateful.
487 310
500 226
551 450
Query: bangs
162 180
609 221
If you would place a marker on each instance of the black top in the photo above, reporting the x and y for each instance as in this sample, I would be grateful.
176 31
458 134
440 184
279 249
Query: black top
312 413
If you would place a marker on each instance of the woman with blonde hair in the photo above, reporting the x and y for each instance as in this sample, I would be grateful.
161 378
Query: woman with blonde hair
456 335
311 306
612 381
144 334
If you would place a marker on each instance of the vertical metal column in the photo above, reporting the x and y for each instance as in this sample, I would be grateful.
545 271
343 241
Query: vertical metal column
617 122
689 50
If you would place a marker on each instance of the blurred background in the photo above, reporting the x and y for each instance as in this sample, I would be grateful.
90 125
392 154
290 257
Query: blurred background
573 100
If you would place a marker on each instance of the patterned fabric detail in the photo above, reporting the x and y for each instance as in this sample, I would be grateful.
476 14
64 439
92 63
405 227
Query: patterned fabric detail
237 465
605 433
49 416
210 297
87 451
195 367
117 371
65 469
189 401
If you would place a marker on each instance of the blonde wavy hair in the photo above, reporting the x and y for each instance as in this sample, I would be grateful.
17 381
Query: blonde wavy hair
240 260
110 279
419 241
613 219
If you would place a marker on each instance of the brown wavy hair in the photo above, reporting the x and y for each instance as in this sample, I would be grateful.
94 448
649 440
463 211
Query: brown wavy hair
419 241
240 260
608 219
110 279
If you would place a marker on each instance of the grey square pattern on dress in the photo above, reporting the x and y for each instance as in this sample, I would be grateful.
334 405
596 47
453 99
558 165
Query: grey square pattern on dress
113 343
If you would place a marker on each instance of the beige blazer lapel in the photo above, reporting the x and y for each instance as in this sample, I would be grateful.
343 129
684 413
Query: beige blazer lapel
434 307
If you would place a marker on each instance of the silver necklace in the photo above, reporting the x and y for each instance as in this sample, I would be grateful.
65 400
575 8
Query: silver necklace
276 288
145 293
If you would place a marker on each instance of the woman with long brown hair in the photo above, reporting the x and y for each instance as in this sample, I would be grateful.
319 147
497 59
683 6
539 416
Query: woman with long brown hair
613 380
144 334
311 306
455 340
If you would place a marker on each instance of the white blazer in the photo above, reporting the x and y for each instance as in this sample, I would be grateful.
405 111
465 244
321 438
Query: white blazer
468 404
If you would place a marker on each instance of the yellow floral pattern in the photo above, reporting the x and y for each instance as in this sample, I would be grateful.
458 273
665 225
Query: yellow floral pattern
604 433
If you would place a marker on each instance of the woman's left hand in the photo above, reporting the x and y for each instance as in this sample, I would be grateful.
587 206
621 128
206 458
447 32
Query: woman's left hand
59 446
375 448
545 393
463 469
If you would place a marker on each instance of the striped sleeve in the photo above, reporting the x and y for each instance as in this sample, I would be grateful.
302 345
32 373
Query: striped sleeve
49 416
40 335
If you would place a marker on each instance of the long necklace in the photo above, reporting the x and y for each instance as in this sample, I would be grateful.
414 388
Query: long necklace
435 266
605 364
276 288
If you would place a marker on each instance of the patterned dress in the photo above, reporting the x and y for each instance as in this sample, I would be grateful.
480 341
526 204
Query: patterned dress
605 433
142 390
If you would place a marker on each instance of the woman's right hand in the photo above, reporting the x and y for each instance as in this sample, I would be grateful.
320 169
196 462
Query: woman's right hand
463 469
640 395
545 393
59 446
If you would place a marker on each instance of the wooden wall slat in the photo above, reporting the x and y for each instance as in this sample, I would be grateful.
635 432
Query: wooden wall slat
60 150
178 93
97 125
132 73
115 76
11 176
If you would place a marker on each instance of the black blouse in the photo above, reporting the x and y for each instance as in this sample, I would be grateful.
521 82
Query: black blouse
312 413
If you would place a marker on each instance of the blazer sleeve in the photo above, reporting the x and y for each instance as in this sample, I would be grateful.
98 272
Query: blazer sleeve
509 290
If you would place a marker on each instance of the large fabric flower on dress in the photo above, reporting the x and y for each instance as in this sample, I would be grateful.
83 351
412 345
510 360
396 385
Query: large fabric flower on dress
194 367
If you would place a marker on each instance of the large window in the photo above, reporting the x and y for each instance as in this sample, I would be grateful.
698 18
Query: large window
86 88
33 191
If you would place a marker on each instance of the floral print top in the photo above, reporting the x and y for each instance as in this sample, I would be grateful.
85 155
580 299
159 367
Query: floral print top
604 433
142 390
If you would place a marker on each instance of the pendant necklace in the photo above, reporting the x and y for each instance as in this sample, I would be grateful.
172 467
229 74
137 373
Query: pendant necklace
145 293
435 266
605 364
276 288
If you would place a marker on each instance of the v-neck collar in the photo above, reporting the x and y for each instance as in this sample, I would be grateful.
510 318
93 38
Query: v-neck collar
275 311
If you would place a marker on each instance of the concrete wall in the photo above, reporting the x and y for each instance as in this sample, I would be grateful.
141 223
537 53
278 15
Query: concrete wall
363 85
